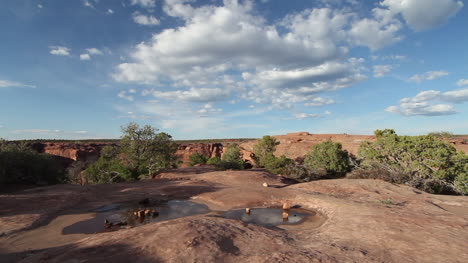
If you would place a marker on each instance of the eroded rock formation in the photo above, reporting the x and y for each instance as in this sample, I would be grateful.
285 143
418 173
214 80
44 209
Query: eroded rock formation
293 145
86 152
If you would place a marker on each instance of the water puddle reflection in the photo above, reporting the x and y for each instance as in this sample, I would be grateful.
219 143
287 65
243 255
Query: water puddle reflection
110 219
270 216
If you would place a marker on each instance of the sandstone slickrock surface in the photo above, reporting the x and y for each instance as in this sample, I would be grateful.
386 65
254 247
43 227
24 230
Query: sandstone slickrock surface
363 221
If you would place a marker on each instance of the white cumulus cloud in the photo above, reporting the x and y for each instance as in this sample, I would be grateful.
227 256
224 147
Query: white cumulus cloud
94 51
145 20
59 50
430 103
229 51
229 46
88 3
85 57
90 51
462 82
124 95
302 116
381 70
12 84
144 3
194 94
424 14
319 101
430 75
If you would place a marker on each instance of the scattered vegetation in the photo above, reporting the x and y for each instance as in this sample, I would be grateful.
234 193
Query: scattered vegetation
442 134
75 172
19 164
301 173
109 168
328 157
264 150
264 156
214 161
324 161
424 162
388 201
197 158
142 152
277 165
238 141
232 159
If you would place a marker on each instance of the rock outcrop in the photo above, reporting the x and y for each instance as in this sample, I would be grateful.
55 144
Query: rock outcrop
86 152
208 149
293 145
461 143
296 145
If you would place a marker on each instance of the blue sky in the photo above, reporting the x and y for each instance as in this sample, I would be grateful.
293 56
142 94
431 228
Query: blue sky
228 69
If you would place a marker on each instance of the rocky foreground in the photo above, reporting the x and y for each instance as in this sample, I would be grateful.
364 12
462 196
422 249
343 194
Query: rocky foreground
363 221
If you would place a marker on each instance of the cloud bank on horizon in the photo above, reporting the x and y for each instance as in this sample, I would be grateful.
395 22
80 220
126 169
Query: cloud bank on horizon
239 68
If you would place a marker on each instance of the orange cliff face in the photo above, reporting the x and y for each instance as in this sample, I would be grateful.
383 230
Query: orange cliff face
207 149
292 145
86 152
297 145
460 143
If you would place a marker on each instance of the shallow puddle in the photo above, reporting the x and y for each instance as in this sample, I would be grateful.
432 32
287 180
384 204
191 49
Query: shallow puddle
125 218
270 216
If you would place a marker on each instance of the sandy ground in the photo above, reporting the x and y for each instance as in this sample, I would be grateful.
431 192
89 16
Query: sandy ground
362 221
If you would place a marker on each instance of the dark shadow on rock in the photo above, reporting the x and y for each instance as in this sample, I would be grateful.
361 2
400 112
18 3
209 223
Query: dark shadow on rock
226 244
51 204
201 169
115 253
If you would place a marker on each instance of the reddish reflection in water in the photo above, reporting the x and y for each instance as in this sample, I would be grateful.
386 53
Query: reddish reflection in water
126 218
270 216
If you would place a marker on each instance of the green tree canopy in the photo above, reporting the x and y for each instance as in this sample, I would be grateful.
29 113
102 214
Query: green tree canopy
145 151
20 164
232 158
426 159
197 158
328 156
142 152
264 148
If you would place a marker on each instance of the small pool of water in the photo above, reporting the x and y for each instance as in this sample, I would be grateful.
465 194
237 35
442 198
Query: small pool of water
166 211
269 216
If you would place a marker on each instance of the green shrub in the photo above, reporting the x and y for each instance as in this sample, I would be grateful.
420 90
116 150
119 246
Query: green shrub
264 149
460 168
75 172
301 173
264 156
274 164
232 159
19 164
146 152
214 161
328 156
197 158
393 177
461 183
108 171
441 134
428 163
109 168
142 153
